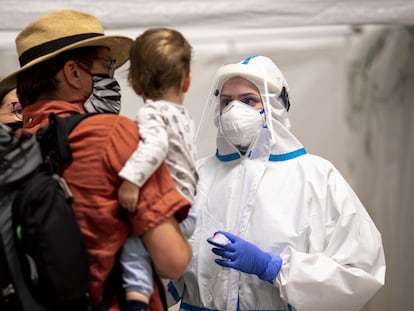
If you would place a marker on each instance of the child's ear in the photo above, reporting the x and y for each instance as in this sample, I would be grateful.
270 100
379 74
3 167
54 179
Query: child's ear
187 81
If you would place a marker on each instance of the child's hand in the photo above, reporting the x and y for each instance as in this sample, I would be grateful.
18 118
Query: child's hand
128 196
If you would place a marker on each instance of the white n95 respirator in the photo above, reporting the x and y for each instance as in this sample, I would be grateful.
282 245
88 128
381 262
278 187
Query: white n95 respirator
240 123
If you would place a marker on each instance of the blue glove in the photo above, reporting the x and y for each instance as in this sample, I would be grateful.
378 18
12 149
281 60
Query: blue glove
245 257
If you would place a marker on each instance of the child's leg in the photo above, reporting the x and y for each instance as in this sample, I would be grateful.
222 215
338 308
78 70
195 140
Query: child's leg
137 274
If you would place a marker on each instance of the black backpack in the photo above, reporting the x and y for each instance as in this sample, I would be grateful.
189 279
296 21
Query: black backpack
43 259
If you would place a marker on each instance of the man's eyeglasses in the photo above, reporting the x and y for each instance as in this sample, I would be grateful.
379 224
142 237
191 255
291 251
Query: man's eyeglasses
16 109
110 63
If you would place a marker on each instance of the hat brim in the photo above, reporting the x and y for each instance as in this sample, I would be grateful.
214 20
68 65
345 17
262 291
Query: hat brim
119 47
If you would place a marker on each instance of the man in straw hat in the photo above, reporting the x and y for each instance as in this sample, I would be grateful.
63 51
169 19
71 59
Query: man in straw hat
61 54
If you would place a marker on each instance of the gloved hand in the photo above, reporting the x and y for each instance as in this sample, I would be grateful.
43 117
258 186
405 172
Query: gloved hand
245 257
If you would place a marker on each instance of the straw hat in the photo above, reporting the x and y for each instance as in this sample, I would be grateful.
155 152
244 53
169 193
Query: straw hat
61 31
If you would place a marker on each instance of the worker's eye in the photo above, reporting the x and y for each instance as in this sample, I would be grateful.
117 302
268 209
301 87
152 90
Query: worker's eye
224 102
251 100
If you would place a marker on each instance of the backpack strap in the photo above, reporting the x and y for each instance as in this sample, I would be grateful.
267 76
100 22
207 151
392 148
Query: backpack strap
64 127
54 141
113 286
161 289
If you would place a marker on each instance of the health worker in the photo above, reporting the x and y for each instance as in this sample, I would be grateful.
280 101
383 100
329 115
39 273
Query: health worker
277 228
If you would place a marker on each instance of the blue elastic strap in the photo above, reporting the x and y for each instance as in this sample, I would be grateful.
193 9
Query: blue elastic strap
173 291
272 157
246 60
287 156
227 157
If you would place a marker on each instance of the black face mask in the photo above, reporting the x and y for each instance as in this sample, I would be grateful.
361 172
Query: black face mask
15 125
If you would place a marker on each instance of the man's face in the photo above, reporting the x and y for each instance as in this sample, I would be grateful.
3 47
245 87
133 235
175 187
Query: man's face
103 63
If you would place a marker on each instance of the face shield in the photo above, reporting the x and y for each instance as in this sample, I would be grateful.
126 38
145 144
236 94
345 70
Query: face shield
273 90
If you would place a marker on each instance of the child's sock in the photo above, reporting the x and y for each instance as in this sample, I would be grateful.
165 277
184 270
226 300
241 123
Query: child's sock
136 305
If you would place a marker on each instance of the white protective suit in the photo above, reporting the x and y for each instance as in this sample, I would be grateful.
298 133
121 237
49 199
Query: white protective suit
286 202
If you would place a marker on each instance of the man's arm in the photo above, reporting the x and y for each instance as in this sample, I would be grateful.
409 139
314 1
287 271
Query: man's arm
168 248
159 209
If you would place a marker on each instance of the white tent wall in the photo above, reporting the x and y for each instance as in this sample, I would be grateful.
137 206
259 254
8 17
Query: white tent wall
380 114
351 88
217 14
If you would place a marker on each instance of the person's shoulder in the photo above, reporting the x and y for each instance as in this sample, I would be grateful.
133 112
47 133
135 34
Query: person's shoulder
110 117
108 122
322 168
315 162
316 159
109 131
